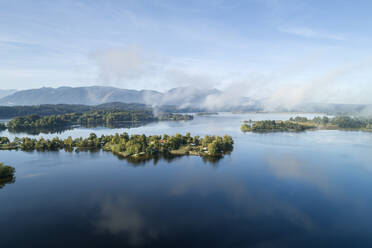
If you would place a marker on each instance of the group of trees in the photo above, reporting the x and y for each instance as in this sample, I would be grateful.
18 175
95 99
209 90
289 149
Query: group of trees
218 145
206 113
57 109
178 144
270 126
302 123
53 118
6 172
174 117
35 121
346 122
110 118
125 145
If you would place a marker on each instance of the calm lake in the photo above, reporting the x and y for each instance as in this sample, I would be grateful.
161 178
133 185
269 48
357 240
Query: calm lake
310 189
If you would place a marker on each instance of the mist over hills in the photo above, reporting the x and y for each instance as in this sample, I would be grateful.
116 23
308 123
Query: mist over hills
183 97
4 93
80 95
187 99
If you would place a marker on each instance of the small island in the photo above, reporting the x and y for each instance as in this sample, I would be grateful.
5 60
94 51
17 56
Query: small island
274 126
124 145
174 117
299 124
206 113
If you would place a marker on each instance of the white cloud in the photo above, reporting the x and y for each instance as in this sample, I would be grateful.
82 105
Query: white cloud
312 33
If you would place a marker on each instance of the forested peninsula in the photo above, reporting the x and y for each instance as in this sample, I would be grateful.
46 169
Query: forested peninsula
107 115
124 145
7 112
299 124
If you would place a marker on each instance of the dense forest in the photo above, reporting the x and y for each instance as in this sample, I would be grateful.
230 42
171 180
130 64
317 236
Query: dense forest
299 124
2 126
125 145
108 118
57 109
7 112
345 122
272 126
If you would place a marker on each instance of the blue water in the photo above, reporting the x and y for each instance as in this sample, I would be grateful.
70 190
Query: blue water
308 189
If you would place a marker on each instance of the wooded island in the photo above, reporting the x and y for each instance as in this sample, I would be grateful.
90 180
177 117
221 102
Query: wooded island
125 145
299 124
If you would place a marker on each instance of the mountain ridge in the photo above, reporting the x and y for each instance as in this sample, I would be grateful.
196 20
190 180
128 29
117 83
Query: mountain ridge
94 95
4 93
91 95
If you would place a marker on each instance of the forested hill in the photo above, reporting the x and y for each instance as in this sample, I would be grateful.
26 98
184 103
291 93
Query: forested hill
50 109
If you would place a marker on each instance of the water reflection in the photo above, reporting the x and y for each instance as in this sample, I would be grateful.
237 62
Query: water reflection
4 181
121 217
143 160
201 214
37 131
289 166
278 190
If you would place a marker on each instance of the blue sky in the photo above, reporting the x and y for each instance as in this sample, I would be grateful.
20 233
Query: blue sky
270 49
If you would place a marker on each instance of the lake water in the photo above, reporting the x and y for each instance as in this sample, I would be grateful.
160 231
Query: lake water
310 189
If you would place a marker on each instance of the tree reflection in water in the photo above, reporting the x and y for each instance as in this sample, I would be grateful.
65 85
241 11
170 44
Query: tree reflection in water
143 160
4 181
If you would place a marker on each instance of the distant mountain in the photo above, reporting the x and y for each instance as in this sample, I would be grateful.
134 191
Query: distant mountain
181 99
4 93
80 95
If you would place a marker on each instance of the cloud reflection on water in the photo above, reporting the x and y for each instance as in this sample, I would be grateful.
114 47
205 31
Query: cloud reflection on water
288 166
119 216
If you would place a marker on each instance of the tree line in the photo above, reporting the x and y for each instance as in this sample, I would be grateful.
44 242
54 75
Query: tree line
271 126
126 145
344 122
57 109
299 124
108 118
